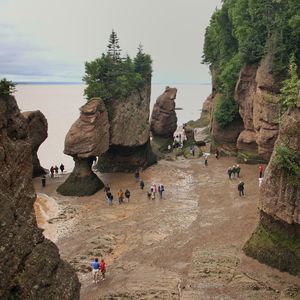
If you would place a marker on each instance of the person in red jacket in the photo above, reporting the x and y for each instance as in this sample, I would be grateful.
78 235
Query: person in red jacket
261 169
102 268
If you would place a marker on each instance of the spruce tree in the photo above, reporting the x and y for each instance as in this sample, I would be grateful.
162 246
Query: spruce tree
113 48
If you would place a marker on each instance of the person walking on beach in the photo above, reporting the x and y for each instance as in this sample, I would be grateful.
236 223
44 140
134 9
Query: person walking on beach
238 170
62 168
229 172
109 198
127 195
103 268
260 180
233 170
43 181
56 169
205 159
161 189
217 153
120 196
261 169
95 270
142 184
52 171
241 188
137 175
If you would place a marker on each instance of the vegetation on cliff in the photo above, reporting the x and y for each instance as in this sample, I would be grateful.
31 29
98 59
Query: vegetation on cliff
112 76
7 87
242 32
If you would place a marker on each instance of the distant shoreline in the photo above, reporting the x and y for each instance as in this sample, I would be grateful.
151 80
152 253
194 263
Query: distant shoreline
82 83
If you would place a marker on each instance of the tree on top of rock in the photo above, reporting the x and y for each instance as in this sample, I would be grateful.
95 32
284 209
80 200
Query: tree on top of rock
112 77
114 50
7 87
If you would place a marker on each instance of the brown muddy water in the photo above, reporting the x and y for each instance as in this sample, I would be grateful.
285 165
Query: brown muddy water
184 246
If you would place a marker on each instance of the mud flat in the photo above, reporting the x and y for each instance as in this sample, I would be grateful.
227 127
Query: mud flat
184 246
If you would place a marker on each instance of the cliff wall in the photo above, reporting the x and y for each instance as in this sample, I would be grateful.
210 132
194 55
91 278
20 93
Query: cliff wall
30 266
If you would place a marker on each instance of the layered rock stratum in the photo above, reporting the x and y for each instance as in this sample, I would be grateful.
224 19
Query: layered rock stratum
276 240
38 132
87 138
30 265
129 133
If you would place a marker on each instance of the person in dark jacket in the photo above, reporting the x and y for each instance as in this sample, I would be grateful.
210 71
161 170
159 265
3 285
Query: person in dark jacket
127 195
241 188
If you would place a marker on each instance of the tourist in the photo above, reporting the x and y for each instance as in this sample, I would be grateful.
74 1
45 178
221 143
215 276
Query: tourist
261 169
56 169
193 150
52 171
233 170
205 159
127 195
95 270
217 153
142 184
149 194
260 180
107 188
62 168
137 175
161 189
169 148
120 196
238 170
103 268
241 188
43 181
109 197
229 172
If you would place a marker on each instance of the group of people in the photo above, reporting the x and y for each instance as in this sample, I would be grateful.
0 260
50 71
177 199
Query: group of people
151 194
55 170
98 267
234 171
121 195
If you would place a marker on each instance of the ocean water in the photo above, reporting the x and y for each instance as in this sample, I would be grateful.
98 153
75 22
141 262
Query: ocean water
60 104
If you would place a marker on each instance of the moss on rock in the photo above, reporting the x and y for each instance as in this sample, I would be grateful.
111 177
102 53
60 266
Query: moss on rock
276 244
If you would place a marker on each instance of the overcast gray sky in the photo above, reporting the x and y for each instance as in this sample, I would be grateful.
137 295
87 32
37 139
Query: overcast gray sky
43 40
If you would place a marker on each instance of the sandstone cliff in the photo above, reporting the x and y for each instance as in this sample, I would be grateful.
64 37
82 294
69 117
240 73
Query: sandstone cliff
276 240
256 93
129 134
38 132
30 266
87 138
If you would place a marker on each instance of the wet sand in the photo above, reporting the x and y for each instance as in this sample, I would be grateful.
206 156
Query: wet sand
184 246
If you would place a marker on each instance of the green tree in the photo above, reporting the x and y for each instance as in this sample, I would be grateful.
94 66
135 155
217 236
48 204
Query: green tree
7 87
289 91
114 50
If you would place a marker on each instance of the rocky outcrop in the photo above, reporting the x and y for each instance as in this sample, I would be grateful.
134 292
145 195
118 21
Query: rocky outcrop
30 266
129 134
38 132
276 240
87 138
256 93
163 118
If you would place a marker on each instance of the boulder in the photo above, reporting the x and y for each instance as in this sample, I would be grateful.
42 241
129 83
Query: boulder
87 138
163 118
30 265
129 147
38 132
276 240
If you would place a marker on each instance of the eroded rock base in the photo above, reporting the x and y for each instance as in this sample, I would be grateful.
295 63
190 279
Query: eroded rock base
276 243
126 159
82 181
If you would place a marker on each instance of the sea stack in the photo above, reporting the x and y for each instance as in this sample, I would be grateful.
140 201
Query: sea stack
87 138
129 134
164 119
38 132
30 265
276 240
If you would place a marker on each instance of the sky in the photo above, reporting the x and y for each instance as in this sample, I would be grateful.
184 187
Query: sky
50 40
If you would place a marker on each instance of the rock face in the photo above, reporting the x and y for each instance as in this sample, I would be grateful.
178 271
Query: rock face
256 93
163 118
129 134
87 138
38 132
30 265
276 240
